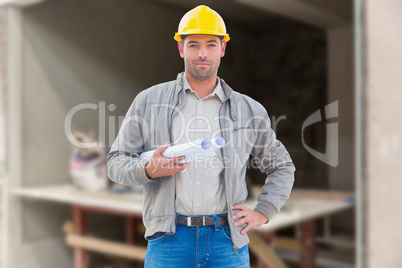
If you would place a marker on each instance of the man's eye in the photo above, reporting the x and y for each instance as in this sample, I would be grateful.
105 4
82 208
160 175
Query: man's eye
192 45
212 45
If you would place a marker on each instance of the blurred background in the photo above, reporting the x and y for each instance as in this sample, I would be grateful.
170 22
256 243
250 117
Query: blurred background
81 64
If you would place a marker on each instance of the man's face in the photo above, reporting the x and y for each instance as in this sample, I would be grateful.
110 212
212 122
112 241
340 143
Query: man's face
202 55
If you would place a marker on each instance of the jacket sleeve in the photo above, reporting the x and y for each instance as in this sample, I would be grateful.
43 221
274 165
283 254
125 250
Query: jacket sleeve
272 158
123 163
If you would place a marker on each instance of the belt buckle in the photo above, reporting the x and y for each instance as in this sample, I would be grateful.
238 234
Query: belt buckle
189 222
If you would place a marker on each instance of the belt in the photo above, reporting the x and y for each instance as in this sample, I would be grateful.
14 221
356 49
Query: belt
201 220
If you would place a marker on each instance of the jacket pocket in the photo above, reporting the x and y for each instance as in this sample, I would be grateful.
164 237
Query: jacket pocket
242 138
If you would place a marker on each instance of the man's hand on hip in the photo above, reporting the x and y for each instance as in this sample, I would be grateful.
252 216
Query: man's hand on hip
253 218
160 166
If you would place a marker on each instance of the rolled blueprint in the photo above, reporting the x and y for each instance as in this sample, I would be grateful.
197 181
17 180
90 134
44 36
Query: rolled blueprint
195 150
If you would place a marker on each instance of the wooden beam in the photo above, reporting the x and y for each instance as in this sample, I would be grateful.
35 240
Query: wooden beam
131 230
81 256
106 247
308 230
264 252
297 10
288 243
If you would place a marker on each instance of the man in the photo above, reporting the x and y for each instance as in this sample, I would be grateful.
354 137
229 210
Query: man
193 212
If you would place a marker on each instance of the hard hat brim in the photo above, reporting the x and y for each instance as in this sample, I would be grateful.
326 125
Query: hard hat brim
177 36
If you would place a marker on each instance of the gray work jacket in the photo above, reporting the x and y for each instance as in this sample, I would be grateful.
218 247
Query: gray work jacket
245 126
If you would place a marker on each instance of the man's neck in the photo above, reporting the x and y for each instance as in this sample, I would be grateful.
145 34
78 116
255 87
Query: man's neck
202 87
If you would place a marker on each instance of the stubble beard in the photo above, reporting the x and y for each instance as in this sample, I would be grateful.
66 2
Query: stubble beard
201 75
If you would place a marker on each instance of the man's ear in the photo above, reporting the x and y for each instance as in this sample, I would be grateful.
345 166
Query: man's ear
180 47
223 48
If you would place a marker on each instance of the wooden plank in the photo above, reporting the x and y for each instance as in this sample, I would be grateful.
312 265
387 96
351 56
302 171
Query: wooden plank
107 247
108 196
68 194
311 194
322 195
288 243
269 239
264 252
109 211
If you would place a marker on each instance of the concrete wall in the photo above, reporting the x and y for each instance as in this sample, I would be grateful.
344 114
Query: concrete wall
340 88
382 81
3 89
77 52
3 108
85 52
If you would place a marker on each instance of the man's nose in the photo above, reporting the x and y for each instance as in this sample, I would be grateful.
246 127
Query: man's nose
202 54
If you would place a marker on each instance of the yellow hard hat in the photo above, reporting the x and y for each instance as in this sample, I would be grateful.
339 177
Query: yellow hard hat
202 20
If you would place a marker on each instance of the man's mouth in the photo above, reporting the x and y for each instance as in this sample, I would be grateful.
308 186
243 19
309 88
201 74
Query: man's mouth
202 63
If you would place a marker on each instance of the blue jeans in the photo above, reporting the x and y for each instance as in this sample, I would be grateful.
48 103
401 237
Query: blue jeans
205 246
